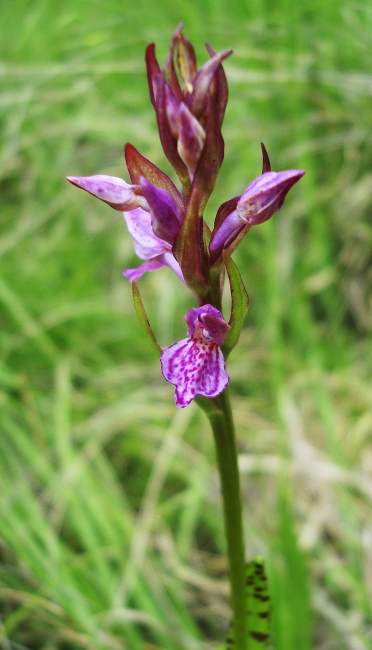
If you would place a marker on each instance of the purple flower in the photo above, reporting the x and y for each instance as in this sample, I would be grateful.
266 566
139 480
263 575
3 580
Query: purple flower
196 365
264 196
149 211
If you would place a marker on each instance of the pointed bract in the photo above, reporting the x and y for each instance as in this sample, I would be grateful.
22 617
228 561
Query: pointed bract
189 248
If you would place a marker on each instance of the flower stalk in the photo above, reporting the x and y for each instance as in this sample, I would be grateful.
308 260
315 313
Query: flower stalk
227 461
168 230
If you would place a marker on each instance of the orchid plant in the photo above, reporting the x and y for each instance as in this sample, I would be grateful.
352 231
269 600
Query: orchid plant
168 229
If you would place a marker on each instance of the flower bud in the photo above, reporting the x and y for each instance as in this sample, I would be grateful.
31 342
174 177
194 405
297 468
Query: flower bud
190 140
265 195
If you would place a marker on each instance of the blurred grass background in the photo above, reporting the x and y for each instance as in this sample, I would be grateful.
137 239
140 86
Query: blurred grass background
110 522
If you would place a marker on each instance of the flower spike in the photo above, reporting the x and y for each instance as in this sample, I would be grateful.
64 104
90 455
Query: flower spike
196 366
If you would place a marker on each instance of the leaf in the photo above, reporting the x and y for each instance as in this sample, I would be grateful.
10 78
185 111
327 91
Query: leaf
142 317
258 607
239 304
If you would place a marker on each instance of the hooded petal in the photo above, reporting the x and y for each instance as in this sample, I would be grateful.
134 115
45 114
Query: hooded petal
210 319
166 216
196 367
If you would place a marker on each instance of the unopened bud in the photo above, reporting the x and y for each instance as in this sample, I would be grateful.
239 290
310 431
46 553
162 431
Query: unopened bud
191 139
265 195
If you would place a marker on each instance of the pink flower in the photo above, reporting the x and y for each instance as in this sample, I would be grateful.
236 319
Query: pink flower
147 210
196 365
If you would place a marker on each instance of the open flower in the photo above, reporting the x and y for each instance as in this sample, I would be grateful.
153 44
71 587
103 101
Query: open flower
152 216
196 365
264 196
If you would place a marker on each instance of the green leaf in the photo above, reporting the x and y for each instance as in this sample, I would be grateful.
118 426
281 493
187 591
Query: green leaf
239 304
258 607
142 317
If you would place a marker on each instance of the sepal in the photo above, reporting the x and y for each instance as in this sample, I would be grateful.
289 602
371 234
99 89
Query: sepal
111 190
239 304
142 317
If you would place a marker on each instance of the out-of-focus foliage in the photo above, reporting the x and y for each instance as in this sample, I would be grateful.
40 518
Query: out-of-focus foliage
110 526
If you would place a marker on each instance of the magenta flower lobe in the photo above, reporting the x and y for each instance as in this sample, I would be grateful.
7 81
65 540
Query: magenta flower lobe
196 365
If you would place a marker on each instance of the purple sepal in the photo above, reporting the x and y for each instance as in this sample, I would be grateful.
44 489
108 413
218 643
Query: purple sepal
166 216
196 366
112 190
265 195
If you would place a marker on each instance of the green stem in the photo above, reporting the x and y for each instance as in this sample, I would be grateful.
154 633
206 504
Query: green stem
224 435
